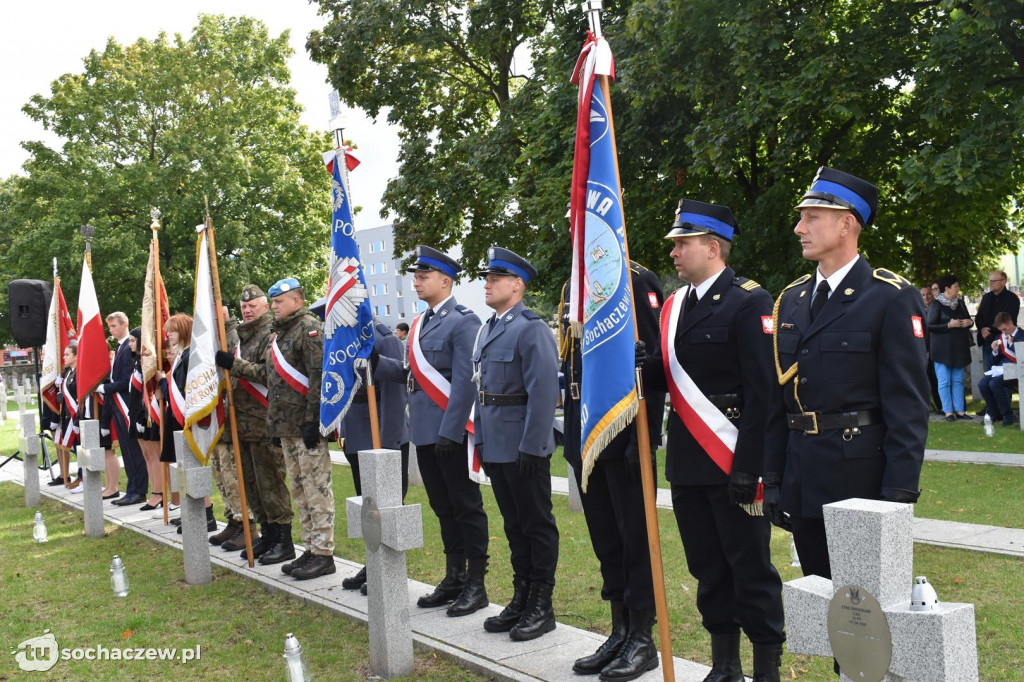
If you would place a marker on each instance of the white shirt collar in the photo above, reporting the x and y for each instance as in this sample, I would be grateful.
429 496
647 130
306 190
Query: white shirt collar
836 278
437 308
122 341
703 287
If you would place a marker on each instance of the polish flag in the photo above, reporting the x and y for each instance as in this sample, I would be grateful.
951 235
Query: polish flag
93 354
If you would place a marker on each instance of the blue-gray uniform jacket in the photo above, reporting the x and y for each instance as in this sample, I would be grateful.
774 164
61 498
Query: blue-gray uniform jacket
517 357
447 344
391 397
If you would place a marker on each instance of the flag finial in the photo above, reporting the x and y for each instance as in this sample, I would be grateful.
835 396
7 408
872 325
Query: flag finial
592 8
154 214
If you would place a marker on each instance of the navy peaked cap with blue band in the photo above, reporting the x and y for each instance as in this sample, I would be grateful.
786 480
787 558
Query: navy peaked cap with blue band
504 262
432 259
841 191
697 217
284 285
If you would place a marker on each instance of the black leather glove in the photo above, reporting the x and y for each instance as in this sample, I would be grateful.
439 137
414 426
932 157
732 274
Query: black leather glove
900 495
445 447
773 507
374 358
276 442
632 454
224 359
311 435
528 465
742 487
640 354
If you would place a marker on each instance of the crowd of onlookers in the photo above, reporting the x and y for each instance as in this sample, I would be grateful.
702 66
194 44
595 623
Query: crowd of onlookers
950 337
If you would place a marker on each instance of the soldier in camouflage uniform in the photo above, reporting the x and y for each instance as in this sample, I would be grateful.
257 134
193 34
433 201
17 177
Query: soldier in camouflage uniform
291 372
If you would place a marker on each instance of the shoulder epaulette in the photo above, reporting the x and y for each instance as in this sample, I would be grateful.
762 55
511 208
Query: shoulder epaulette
637 268
383 329
746 284
797 282
529 314
890 277
463 309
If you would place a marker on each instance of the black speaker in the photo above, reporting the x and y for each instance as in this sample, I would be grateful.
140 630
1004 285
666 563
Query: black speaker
29 301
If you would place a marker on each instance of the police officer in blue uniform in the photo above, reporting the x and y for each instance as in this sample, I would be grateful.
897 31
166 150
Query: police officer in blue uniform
613 503
445 333
851 408
516 368
722 341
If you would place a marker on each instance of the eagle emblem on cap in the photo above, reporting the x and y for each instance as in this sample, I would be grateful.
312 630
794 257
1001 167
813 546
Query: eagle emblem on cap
490 253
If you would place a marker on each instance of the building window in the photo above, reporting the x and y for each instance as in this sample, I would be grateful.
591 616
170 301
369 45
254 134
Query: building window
398 294
383 310
380 289
373 268
401 316
380 245
383 267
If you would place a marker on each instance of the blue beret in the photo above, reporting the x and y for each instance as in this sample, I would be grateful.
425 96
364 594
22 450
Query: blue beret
282 286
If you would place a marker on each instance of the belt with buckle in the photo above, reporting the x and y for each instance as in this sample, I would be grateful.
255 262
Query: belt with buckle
503 399
729 403
410 383
816 422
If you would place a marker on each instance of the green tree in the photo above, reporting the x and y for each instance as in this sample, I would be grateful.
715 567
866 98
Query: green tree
172 122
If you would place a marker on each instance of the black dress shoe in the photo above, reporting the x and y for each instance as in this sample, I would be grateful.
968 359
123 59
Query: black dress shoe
129 499
111 496
57 481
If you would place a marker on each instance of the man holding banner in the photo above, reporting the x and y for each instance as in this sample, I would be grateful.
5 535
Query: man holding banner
715 360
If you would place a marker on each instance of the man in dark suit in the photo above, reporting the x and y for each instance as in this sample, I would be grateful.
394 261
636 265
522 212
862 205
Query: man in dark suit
613 503
998 299
116 392
438 372
715 361
850 414
516 368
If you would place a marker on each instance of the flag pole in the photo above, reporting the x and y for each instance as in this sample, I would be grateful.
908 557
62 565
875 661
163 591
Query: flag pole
222 333
63 456
593 11
159 327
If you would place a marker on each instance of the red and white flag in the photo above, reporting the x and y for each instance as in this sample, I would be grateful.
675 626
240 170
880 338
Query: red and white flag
93 354
60 330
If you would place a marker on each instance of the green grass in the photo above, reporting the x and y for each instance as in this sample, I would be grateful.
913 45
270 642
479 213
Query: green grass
970 436
972 493
64 586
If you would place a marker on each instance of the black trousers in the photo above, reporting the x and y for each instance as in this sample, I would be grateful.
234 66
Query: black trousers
456 501
525 505
614 509
131 454
353 461
811 546
728 552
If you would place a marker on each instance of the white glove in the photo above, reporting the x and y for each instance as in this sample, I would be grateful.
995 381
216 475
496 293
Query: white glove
140 428
54 426
58 381
104 432
100 389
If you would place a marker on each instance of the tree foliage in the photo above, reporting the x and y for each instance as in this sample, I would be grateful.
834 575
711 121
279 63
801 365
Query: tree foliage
736 103
172 123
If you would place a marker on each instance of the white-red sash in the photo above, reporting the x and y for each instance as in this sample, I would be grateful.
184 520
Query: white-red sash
122 407
154 410
438 389
256 390
705 422
1006 348
291 376
177 399
137 381
70 401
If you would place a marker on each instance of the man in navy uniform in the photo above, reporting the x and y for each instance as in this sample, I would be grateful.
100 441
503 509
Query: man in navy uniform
715 361
115 392
394 427
851 410
613 503
516 368
441 395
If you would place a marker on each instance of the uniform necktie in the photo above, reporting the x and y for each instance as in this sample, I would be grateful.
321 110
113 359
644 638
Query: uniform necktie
820 298
691 300
426 316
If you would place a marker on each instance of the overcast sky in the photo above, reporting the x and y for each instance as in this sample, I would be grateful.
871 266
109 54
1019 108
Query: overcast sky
40 41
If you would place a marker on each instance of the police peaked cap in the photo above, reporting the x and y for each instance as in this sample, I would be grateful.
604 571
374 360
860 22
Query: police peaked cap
432 259
504 262
698 217
837 190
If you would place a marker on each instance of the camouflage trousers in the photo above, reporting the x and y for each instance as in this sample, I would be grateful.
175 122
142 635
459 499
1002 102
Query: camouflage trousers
225 475
310 472
266 489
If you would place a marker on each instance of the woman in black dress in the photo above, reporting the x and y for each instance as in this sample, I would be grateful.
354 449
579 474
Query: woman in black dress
179 338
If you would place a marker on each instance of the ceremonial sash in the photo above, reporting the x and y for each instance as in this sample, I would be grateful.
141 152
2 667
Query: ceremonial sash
154 410
290 375
137 381
1006 348
177 399
69 400
256 390
439 389
122 407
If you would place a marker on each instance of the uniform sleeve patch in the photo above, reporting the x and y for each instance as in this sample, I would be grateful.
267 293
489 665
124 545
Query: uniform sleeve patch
653 298
313 332
767 324
918 325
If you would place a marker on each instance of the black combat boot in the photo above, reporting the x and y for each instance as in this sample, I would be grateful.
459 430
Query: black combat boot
283 550
226 533
538 616
317 566
356 581
448 589
474 594
262 545
638 654
767 660
298 563
595 662
725 659
511 614
237 541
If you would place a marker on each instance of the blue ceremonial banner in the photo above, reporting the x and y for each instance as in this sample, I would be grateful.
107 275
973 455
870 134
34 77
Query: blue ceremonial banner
603 302
348 318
